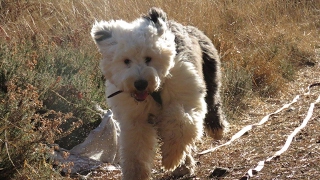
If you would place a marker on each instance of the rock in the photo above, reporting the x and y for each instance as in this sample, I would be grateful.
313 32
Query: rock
219 172
100 149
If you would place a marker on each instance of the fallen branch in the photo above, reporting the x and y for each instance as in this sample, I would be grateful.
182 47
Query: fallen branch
249 127
6 143
285 147
263 120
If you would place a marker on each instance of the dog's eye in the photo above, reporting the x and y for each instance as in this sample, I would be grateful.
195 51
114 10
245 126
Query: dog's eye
127 61
148 59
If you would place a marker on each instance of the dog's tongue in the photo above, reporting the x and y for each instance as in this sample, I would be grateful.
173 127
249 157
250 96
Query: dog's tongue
141 95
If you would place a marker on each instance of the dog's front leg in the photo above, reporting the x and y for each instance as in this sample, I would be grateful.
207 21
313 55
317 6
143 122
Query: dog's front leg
178 129
137 149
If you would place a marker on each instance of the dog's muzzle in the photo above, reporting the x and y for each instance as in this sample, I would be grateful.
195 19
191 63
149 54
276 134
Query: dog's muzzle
141 93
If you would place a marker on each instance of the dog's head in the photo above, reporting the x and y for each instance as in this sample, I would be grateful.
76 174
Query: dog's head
137 56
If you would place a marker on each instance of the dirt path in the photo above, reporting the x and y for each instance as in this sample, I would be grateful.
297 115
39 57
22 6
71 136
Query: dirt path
300 161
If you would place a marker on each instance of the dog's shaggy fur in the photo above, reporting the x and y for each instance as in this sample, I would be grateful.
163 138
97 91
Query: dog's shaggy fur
163 82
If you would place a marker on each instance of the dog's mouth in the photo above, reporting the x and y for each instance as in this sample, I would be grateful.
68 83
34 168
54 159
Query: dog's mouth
140 95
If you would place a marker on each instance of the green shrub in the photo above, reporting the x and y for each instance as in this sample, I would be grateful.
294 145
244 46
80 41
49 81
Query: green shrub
46 93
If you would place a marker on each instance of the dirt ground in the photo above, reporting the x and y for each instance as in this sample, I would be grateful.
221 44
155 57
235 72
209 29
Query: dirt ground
300 161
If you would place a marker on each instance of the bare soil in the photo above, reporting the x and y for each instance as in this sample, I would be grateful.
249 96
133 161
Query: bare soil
300 161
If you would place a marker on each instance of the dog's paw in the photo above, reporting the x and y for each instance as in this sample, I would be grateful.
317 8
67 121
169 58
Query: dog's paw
181 171
216 134
172 155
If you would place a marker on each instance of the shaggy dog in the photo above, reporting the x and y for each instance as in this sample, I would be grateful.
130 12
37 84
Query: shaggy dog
163 82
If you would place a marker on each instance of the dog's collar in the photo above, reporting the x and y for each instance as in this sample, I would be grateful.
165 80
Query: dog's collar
155 95
115 93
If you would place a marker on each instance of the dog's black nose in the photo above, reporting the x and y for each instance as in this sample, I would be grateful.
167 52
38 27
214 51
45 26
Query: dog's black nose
141 85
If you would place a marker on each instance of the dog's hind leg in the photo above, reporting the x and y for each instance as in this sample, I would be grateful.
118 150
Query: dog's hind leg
137 150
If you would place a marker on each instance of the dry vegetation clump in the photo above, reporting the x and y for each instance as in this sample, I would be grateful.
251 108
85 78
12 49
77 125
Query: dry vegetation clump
50 80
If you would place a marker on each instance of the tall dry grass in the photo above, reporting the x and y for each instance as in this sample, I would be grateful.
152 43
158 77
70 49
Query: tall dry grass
50 79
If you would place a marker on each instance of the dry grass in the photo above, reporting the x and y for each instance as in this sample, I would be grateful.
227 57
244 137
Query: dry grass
49 64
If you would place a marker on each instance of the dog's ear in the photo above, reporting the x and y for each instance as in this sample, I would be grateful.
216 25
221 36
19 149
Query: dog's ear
156 13
101 31
102 34
159 18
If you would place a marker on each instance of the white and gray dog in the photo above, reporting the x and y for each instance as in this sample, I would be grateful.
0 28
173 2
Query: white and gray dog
163 84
